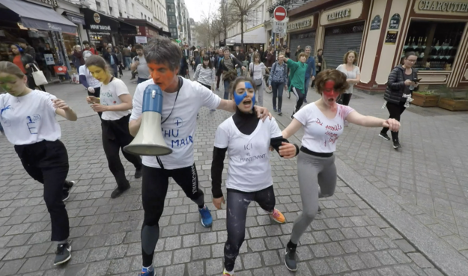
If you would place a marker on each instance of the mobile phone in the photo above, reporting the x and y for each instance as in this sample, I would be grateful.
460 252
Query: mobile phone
417 80
137 59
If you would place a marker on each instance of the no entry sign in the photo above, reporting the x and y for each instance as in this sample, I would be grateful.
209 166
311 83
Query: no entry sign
279 13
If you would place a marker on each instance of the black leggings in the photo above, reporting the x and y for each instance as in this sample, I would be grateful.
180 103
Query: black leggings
395 111
153 192
236 212
299 96
47 163
115 136
345 98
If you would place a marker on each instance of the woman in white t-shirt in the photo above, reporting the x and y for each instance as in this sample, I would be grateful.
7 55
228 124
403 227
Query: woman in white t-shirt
257 70
353 75
247 140
323 123
29 122
115 104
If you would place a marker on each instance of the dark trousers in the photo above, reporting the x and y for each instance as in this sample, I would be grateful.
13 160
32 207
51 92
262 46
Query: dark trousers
277 89
226 89
299 97
207 86
47 163
345 98
97 94
217 82
395 111
114 70
115 136
153 192
140 80
237 204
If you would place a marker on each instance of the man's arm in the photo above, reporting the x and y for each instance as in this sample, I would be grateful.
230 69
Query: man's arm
134 65
227 105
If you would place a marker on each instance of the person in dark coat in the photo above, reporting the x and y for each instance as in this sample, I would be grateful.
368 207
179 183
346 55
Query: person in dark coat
402 81
112 60
27 49
184 68
26 63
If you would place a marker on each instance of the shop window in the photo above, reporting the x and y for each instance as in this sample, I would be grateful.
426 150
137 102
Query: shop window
435 43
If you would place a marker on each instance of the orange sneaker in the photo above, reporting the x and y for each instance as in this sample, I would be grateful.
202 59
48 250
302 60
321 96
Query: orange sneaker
226 273
277 216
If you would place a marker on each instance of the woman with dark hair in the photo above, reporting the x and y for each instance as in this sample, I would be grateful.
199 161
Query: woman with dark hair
29 121
352 73
25 63
114 103
112 60
247 140
120 65
402 81
323 122
205 73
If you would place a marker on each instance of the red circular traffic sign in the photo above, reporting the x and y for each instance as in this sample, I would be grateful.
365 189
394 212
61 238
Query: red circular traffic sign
279 13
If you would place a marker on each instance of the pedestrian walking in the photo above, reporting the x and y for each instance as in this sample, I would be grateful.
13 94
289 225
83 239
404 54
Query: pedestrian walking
114 103
25 63
112 60
323 122
140 65
310 71
205 74
257 70
402 81
29 121
249 173
320 64
92 85
352 72
120 59
182 99
227 68
297 71
277 81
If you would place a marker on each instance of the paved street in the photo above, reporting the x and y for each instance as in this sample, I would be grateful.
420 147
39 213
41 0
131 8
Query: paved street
394 213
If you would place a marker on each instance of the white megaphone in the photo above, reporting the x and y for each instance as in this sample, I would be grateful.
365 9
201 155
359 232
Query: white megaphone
149 140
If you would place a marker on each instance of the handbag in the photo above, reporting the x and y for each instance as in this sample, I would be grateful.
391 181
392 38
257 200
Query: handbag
38 76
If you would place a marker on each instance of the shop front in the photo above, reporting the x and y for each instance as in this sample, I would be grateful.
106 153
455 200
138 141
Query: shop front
101 28
145 31
301 33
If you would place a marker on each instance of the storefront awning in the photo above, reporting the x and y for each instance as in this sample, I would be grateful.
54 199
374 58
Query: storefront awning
126 28
75 18
39 17
257 36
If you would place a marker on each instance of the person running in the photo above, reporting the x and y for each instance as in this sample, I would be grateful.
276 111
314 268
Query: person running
257 70
402 81
182 99
247 141
29 122
323 122
277 81
353 75
114 103
297 71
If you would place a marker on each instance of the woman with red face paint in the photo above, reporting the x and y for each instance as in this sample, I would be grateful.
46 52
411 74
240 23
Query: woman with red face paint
323 123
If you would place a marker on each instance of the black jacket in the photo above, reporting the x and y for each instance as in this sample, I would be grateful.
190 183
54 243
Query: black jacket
27 59
396 84
106 56
222 68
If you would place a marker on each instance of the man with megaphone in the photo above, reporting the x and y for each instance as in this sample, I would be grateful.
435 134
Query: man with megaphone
164 120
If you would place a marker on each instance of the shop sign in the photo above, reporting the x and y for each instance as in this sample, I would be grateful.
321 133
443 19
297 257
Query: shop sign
339 14
52 3
442 6
391 37
394 22
49 59
99 23
300 24
141 39
375 24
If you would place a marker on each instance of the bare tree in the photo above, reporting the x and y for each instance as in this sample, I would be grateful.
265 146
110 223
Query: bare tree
224 17
202 30
216 29
239 10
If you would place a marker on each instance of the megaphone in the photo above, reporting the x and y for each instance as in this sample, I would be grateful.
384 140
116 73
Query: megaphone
149 140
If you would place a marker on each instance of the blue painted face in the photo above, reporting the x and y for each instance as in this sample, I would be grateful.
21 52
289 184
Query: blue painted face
239 98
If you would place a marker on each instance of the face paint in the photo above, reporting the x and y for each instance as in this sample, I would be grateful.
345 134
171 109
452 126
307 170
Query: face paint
329 90
12 84
162 75
239 98
98 73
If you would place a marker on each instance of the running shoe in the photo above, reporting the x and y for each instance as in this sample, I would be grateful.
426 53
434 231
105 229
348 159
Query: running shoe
274 109
305 100
290 259
396 144
384 136
279 112
66 189
138 173
277 216
206 219
292 115
119 191
226 273
63 253
147 271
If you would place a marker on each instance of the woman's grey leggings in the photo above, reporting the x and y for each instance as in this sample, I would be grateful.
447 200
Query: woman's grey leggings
312 171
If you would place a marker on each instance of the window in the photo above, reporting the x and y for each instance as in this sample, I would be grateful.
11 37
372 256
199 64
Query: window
120 14
110 10
170 7
98 4
172 19
434 43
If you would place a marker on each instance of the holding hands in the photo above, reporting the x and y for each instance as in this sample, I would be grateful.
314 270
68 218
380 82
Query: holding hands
391 124
287 150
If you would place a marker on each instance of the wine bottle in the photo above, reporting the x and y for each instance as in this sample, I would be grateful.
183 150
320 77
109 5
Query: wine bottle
437 44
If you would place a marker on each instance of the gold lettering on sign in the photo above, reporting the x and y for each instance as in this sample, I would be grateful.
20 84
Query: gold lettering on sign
301 24
427 5
339 14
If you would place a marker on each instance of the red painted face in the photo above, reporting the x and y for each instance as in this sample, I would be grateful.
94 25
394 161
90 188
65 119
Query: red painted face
162 75
329 90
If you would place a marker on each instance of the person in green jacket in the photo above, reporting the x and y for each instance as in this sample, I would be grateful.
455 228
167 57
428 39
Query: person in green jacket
297 70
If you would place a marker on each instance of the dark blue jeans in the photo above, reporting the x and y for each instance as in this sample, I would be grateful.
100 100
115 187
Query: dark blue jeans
277 89
140 80
226 89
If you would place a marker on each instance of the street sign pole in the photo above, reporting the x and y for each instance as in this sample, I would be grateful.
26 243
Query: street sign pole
279 26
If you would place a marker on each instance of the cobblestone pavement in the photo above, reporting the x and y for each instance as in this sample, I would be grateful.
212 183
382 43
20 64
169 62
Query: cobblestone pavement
347 238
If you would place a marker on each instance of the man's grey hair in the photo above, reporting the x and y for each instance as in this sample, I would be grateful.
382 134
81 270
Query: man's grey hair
309 47
161 50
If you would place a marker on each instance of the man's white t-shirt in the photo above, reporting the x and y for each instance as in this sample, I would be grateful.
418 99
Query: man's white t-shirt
110 96
29 119
142 69
179 130
321 133
249 155
92 82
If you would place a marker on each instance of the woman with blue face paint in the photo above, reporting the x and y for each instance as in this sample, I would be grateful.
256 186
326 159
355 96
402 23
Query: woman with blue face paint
247 141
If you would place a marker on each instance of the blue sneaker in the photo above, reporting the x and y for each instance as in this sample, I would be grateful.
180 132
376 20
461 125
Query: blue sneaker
206 219
147 271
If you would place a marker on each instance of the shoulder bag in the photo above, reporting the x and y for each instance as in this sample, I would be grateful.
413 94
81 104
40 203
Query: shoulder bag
38 76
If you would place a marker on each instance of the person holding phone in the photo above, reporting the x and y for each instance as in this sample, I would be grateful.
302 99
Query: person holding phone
402 81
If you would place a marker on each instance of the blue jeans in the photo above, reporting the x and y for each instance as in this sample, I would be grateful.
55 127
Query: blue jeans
128 61
226 89
140 80
115 70
277 89
306 86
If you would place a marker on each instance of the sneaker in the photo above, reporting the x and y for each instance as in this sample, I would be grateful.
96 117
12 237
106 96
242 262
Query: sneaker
396 144
385 136
292 115
290 259
62 255
227 273
277 216
206 219
279 112
147 271
305 100
118 191
274 109
138 173
66 189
